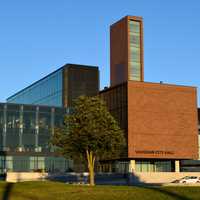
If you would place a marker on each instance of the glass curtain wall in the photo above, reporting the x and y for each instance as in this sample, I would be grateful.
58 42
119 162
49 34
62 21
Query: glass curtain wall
47 91
144 166
46 125
34 164
28 128
13 122
153 166
2 164
135 51
1 126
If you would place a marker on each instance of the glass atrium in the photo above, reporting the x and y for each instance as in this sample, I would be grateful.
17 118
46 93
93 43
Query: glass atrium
25 132
47 91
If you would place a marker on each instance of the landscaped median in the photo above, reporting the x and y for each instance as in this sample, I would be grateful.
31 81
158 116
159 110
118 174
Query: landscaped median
59 191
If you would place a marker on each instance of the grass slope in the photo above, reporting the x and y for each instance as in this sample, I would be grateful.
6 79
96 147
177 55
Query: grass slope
60 191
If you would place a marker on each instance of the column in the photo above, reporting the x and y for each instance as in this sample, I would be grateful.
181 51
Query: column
4 127
177 166
52 120
131 179
132 166
21 128
36 129
51 148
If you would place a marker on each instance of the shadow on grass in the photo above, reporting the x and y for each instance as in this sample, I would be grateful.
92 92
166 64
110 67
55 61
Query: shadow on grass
169 193
8 190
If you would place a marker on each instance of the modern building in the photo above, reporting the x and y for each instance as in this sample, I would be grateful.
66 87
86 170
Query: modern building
61 87
28 119
160 121
25 132
126 50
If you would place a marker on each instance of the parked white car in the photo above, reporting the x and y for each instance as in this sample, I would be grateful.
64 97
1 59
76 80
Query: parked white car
189 179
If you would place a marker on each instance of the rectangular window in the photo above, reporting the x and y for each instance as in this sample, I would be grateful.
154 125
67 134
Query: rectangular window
135 51
153 166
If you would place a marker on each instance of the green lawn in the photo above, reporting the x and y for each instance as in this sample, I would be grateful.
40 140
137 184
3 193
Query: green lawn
59 191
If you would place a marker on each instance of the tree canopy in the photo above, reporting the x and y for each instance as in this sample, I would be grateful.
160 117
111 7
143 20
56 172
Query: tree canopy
90 132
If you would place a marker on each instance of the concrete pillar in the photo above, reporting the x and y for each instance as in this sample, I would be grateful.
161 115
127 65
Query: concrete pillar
5 127
52 120
132 166
131 174
177 166
37 128
21 128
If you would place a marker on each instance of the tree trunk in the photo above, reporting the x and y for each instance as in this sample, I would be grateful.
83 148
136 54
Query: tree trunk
91 161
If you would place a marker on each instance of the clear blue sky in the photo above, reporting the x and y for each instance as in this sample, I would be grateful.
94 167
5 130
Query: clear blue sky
39 36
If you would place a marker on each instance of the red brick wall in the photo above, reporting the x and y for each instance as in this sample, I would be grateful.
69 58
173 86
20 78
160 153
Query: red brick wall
162 121
119 52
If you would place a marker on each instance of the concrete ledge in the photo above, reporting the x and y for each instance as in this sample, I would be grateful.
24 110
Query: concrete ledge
14 177
182 184
158 177
132 179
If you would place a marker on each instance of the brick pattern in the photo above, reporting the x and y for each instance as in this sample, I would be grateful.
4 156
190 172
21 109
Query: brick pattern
162 121
120 50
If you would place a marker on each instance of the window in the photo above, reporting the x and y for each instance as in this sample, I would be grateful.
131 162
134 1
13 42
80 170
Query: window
47 91
153 166
135 51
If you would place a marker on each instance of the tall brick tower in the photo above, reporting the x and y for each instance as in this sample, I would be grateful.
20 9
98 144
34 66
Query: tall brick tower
126 50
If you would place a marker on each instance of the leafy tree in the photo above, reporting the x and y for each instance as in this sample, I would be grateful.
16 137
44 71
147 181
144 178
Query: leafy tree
90 133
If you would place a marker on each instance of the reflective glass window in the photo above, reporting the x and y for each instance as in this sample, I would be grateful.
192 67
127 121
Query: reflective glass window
135 51
13 126
29 121
1 126
45 132
47 91
29 128
153 166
